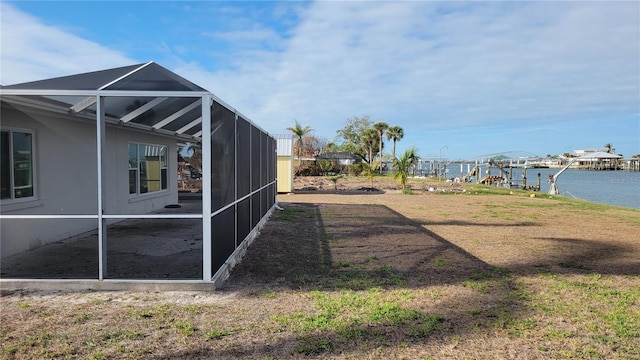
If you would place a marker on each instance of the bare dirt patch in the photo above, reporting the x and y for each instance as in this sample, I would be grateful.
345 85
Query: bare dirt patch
349 274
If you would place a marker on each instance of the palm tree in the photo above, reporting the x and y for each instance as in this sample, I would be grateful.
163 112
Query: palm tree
609 148
368 171
402 166
380 127
369 139
300 132
394 133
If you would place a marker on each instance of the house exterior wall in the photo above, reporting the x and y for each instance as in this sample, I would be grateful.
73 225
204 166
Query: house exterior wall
65 178
117 199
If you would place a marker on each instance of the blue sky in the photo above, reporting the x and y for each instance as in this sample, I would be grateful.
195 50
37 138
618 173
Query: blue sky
477 77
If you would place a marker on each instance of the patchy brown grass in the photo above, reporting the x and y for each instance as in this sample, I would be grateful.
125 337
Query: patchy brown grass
350 275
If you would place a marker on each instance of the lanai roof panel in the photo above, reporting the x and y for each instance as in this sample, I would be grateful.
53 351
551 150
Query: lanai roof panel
88 81
156 98
153 77
140 77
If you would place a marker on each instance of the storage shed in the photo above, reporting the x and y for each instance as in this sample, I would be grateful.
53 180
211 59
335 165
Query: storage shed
94 156
285 162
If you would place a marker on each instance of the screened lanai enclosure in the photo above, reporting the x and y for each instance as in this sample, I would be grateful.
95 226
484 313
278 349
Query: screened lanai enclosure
89 181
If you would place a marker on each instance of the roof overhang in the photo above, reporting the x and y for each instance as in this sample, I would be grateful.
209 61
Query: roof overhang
181 111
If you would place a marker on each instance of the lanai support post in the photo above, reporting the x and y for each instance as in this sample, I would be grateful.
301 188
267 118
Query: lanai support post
100 150
207 245
235 176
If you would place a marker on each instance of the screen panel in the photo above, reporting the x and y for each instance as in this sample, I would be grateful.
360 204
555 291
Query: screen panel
256 164
62 257
244 157
274 160
255 209
244 219
223 237
222 156
155 249
264 155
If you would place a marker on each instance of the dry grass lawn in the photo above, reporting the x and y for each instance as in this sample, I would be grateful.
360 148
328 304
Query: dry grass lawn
473 274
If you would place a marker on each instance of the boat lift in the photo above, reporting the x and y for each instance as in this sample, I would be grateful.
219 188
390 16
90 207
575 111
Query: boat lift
507 181
553 179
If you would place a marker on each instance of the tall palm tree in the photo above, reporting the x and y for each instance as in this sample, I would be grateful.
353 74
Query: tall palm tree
300 132
403 164
369 139
609 148
394 133
380 127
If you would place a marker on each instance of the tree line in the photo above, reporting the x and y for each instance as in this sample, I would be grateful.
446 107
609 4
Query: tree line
360 136
364 138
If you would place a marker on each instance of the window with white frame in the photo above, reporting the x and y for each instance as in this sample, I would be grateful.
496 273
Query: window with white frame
147 168
16 165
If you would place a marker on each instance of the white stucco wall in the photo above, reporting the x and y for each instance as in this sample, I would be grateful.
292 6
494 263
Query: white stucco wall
118 200
65 178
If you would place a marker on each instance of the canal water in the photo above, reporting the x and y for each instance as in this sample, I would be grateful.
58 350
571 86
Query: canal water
621 188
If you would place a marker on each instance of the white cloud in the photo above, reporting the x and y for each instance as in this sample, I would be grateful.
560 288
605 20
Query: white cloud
446 64
31 50
431 67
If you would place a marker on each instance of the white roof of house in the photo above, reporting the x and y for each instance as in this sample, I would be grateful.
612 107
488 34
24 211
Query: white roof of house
599 155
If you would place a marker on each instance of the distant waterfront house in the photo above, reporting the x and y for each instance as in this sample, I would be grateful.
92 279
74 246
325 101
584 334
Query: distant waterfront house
590 151
341 158
631 164
336 162
597 159
82 152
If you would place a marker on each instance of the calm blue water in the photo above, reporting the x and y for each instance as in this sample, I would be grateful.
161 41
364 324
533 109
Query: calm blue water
620 188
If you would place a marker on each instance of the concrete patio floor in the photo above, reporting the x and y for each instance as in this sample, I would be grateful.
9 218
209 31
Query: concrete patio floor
146 249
